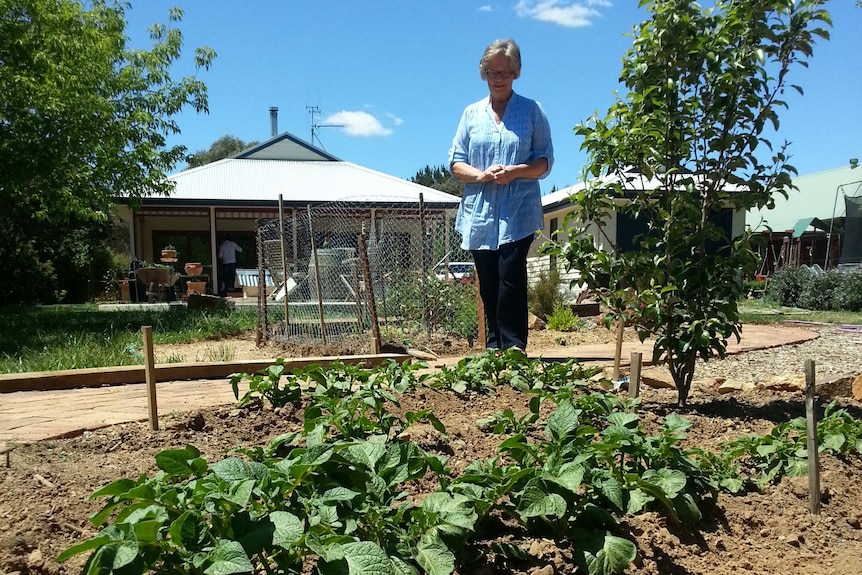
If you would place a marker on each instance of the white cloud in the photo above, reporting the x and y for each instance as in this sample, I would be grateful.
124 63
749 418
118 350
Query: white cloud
395 119
570 14
485 8
361 124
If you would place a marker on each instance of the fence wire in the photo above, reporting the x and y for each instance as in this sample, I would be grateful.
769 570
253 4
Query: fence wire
349 273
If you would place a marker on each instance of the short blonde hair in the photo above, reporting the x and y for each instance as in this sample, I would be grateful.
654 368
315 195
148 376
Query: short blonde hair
507 48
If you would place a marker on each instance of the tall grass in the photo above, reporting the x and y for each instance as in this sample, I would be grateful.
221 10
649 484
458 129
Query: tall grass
48 338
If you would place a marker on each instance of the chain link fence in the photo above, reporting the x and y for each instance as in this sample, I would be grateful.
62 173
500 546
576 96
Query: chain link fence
364 276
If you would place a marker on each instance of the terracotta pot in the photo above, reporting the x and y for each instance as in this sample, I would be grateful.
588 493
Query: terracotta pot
169 255
194 268
196 287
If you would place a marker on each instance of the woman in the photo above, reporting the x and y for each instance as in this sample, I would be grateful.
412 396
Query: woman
501 150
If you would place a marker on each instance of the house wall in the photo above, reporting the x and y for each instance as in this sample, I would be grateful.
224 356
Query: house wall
555 220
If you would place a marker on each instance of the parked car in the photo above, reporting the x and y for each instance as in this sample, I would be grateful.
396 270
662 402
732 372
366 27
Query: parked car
463 272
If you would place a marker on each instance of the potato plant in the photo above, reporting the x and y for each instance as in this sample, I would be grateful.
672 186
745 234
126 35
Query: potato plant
343 495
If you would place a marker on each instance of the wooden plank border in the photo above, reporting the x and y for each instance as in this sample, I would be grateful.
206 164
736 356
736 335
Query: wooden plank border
134 374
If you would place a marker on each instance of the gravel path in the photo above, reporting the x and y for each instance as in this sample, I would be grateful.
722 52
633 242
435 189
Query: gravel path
835 353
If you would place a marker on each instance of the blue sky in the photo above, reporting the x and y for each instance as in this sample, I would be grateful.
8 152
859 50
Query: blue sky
398 73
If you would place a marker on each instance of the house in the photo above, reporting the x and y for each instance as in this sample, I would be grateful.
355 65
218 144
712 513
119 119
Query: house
811 221
620 230
232 196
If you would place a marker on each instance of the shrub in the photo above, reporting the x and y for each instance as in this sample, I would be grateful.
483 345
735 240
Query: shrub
786 285
817 290
544 295
830 291
564 319
847 295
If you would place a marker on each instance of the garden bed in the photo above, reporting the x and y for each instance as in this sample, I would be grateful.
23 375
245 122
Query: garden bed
45 488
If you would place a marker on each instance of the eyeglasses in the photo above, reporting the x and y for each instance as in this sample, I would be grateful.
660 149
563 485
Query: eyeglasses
497 74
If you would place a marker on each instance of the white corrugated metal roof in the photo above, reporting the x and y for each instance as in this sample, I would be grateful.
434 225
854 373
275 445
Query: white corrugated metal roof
253 180
634 182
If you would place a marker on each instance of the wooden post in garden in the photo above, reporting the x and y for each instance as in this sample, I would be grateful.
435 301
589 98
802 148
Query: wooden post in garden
811 429
423 282
635 375
263 334
150 374
317 276
283 264
621 326
369 293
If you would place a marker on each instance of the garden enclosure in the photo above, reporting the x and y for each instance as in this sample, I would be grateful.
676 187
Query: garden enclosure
362 274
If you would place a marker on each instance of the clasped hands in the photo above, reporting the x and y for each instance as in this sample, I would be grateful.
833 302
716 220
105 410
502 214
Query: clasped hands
498 173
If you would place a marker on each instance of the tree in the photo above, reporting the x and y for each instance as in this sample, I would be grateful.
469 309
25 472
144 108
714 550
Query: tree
84 120
703 86
440 179
224 147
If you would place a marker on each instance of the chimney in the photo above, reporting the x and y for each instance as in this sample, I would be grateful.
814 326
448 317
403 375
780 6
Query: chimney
273 120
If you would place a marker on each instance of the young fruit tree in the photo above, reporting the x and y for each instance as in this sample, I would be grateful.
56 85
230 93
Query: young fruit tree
675 164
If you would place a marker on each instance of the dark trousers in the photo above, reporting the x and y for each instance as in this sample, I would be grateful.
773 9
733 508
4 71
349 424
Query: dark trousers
502 277
229 277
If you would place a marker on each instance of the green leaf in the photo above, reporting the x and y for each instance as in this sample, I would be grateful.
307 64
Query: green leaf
570 477
289 529
433 555
367 453
638 499
600 553
732 484
671 481
234 470
108 535
118 487
687 509
178 462
338 494
127 552
622 419
401 567
563 421
188 529
228 557
535 501
366 558
834 441
612 489
673 422
797 466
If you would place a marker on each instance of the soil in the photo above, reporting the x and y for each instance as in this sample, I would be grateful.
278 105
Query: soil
45 486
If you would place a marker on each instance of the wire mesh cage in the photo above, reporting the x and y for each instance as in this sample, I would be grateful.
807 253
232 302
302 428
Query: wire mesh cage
364 275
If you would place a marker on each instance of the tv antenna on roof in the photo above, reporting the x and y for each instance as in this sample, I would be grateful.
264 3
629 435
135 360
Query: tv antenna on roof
315 110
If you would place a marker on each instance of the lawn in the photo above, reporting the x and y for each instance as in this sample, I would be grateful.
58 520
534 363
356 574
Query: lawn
46 338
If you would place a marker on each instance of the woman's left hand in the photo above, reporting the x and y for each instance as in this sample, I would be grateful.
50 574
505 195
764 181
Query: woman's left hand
503 174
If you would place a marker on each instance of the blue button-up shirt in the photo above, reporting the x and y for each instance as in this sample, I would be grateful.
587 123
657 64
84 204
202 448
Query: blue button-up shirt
491 214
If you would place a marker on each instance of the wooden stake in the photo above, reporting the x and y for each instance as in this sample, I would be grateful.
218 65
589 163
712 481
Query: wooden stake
283 265
423 284
813 454
635 375
369 293
317 277
150 373
621 326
